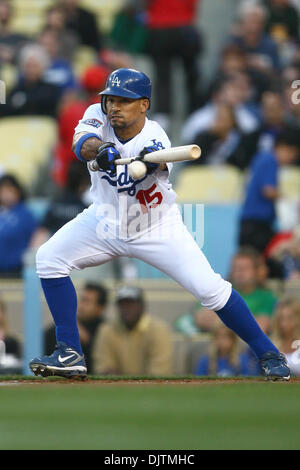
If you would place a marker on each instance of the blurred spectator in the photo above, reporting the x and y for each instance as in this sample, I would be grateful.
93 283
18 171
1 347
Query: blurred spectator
233 60
296 4
10 41
258 210
273 123
129 32
83 23
221 142
251 37
198 320
66 205
287 252
71 112
17 226
286 332
282 21
135 343
172 36
246 269
224 358
68 40
294 59
232 90
116 59
32 95
12 345
90 317
59 71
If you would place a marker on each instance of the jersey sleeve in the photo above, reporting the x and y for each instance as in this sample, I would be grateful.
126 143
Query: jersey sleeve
93 121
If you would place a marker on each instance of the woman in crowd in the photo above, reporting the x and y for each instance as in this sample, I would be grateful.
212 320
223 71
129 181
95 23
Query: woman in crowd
286 332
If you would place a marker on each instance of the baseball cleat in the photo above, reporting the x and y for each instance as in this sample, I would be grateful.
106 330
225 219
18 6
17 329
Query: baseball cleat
274 366
65 361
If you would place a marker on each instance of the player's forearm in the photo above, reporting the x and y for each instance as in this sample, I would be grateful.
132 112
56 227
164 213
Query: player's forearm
89 148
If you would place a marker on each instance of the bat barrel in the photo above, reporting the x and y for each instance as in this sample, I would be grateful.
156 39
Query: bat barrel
174 154
195 152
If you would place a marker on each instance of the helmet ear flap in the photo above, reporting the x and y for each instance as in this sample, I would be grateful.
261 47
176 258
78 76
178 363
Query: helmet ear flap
103 104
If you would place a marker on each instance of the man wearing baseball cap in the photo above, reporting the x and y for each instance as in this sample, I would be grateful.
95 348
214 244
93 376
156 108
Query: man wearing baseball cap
135 343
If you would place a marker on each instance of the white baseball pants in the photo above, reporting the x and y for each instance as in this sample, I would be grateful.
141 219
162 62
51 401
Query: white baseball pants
79 244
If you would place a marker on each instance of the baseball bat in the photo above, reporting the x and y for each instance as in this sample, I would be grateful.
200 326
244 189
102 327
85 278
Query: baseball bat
173 154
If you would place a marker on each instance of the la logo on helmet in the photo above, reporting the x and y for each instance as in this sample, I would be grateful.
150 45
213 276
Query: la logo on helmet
115 80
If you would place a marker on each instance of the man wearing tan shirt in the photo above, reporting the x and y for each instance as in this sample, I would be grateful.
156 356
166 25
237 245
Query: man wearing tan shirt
136 343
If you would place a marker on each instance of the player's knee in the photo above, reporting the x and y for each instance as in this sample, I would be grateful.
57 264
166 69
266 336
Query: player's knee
43 260
217 295
41 254
48 264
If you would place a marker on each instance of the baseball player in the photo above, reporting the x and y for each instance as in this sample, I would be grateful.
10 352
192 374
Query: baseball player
134 218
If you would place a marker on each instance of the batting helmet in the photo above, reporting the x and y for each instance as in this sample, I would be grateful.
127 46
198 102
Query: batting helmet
128 83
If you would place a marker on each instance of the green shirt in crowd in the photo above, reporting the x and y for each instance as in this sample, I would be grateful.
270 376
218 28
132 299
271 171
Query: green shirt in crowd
261 302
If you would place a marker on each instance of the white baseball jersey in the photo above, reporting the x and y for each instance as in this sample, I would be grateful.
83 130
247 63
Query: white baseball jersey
122 196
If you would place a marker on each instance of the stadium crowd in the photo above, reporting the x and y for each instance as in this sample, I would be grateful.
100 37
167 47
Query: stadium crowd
245 116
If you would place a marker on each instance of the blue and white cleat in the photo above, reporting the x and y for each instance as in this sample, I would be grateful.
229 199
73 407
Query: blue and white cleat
274 366
65 361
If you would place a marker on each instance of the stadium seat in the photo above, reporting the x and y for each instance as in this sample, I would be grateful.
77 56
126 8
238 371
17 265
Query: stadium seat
198 347
210 184
291 289
9 74
29 14
84 57
24 155
289 179
105 11
181 345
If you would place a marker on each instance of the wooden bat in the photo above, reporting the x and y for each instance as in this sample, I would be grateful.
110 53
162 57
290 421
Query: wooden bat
173 154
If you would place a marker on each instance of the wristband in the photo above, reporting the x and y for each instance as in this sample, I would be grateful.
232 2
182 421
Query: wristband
80 143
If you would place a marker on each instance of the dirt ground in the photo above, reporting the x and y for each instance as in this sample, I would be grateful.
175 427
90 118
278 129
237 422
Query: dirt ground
104 382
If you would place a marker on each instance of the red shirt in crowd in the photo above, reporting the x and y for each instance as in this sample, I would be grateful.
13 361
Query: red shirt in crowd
171 13
93 81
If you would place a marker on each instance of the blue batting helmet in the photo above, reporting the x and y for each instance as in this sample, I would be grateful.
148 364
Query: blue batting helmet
128 83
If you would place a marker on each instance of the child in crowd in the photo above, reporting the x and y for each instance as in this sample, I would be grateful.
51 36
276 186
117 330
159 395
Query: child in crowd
225 357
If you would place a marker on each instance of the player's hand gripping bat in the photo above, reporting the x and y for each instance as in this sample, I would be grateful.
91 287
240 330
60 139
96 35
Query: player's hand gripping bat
173 154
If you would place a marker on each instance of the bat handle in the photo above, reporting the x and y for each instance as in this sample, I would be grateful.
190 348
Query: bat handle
93 165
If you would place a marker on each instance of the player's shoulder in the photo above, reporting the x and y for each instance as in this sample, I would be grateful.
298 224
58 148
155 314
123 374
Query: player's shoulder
93 119
153 130
95 110
95 107
154 126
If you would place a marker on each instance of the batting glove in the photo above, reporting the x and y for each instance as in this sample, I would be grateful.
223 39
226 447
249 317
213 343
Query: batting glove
106 156
151 167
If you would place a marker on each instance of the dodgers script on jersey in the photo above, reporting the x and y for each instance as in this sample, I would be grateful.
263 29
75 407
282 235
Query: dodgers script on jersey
122 197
